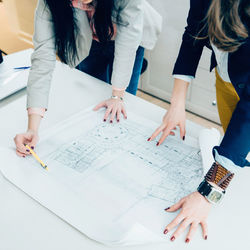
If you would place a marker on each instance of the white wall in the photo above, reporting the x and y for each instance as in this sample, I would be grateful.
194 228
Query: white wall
158 79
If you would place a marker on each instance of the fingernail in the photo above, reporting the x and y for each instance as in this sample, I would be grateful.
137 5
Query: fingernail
111 121
118 120
149 139
183 138
27 150
104 120
23 156
172 238
126 117
157 144
187 240
165 231
166 209
32 147
206 237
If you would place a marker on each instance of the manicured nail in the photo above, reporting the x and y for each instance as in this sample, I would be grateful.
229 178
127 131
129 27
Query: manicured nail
27 150
104 120
166 209
157 144
118 120
184 138
206 237
126 117
23 156
149 138
111 121
165 231
172 238
32 147
187 240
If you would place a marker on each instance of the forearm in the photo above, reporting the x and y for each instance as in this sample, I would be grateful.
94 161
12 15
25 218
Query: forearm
34 121
179 92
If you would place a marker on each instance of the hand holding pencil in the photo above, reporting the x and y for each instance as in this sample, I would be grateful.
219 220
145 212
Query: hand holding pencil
36 157
30 138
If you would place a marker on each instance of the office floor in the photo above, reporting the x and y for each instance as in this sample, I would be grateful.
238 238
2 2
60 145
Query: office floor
10 43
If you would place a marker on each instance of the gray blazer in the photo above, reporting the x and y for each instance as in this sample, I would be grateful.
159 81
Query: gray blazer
139 24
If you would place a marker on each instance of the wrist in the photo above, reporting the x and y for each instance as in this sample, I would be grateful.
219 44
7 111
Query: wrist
215 186
212 194
119 93
219 176
202 197
178 102
215 183
32 131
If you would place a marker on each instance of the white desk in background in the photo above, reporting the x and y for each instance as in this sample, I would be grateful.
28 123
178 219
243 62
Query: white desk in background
26 225
11 80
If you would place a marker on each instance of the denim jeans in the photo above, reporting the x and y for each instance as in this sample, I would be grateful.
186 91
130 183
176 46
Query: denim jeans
99 64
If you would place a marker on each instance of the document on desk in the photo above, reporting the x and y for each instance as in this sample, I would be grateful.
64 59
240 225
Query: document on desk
106 180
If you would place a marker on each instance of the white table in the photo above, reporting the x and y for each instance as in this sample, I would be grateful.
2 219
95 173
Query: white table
17 79
26 225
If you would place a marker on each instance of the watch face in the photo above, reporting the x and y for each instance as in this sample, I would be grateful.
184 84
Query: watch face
215 196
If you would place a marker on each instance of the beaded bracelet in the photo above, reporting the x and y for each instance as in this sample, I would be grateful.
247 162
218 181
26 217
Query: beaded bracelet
219 175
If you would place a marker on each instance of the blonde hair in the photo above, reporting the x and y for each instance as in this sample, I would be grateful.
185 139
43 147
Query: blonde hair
226 29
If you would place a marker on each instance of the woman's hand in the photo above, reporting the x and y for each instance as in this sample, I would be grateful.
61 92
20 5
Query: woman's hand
194 211
114 106
176 116
114 109
30 138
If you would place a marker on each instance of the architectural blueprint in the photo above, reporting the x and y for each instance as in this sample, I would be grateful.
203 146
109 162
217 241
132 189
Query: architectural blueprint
107 180
169 172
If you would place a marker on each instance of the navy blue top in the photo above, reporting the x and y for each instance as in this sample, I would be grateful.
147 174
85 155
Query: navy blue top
236 142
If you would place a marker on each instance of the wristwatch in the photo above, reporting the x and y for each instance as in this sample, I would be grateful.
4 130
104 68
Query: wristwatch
212 194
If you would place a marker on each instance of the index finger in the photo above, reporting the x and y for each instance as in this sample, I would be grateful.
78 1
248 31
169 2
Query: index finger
20 146
156 133
165 134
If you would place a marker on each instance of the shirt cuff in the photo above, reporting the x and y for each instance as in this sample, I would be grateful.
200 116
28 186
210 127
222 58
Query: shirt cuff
226 163
185 78
37 111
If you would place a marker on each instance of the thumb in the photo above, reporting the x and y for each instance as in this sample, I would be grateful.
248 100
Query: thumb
28 136
33 141
175 207
100 105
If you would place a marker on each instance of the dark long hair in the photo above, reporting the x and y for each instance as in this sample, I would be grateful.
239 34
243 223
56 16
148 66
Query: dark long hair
66 26
228 23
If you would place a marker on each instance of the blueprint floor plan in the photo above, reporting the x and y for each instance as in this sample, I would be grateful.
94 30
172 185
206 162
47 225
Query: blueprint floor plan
121 154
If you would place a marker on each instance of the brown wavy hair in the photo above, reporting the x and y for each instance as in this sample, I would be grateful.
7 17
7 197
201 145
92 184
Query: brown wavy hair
227 23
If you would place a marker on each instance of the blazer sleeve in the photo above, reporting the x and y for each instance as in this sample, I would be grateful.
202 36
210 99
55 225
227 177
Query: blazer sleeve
42 60
191 48
127 41
236 142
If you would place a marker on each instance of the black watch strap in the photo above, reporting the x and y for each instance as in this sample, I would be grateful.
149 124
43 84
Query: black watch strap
204 188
